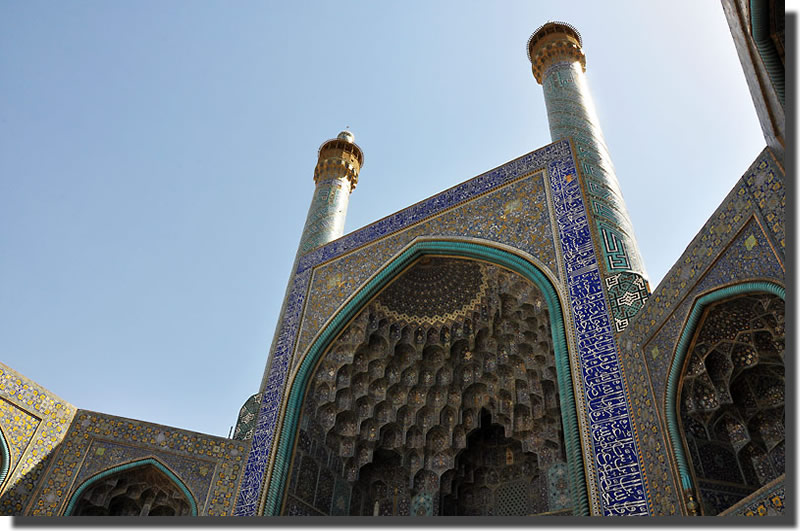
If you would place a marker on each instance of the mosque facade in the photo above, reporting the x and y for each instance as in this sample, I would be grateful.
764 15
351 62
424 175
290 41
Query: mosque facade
493 350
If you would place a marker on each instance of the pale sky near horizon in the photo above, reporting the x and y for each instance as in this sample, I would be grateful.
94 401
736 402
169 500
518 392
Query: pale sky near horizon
156 162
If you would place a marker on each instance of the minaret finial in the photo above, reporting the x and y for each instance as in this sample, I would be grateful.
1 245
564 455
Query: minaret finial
347 135
554 41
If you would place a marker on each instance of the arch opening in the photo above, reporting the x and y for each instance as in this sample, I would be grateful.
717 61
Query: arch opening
143 488
730 405
405 383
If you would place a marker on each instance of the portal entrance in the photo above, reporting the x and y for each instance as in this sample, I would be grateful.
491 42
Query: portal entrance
440 397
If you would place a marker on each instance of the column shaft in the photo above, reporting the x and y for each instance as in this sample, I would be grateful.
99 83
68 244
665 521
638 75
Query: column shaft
571 113
326 215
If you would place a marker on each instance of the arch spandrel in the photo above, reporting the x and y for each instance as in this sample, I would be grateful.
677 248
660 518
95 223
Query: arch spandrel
524 223
385 386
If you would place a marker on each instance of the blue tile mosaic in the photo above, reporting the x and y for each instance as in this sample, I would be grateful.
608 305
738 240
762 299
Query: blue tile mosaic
433 205
247 501
618 471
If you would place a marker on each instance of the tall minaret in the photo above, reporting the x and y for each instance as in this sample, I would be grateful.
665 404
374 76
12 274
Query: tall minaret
339 161
336 176
559 65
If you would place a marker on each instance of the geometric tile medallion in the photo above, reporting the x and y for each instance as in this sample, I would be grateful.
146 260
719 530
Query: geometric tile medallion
627 293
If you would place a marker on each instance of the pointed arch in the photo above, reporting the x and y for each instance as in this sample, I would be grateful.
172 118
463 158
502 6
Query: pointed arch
458 249
680 359
128 466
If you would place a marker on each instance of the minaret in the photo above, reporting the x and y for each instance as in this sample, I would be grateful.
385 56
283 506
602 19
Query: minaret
559 65
604 277
336 176
339 161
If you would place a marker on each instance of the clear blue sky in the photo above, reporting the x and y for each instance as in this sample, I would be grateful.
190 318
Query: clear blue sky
156 161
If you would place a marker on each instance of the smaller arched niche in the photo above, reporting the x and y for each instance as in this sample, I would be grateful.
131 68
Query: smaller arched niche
145 488
731 402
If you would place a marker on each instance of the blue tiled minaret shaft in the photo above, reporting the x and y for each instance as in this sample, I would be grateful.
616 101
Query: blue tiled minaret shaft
559 65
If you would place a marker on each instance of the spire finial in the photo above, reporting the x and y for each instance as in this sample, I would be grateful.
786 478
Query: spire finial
347 135
552 42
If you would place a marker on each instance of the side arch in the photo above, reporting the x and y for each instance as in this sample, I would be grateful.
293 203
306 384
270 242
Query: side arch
278 478
128 466
678 362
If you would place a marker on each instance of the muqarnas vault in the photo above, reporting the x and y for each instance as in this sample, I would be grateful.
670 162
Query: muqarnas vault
492 350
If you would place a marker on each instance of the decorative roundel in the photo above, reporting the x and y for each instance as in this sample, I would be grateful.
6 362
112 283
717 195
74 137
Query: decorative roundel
435 290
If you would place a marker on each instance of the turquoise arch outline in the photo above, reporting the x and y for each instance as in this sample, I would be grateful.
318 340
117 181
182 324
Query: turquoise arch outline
277 482
127 466
681 351
5 458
